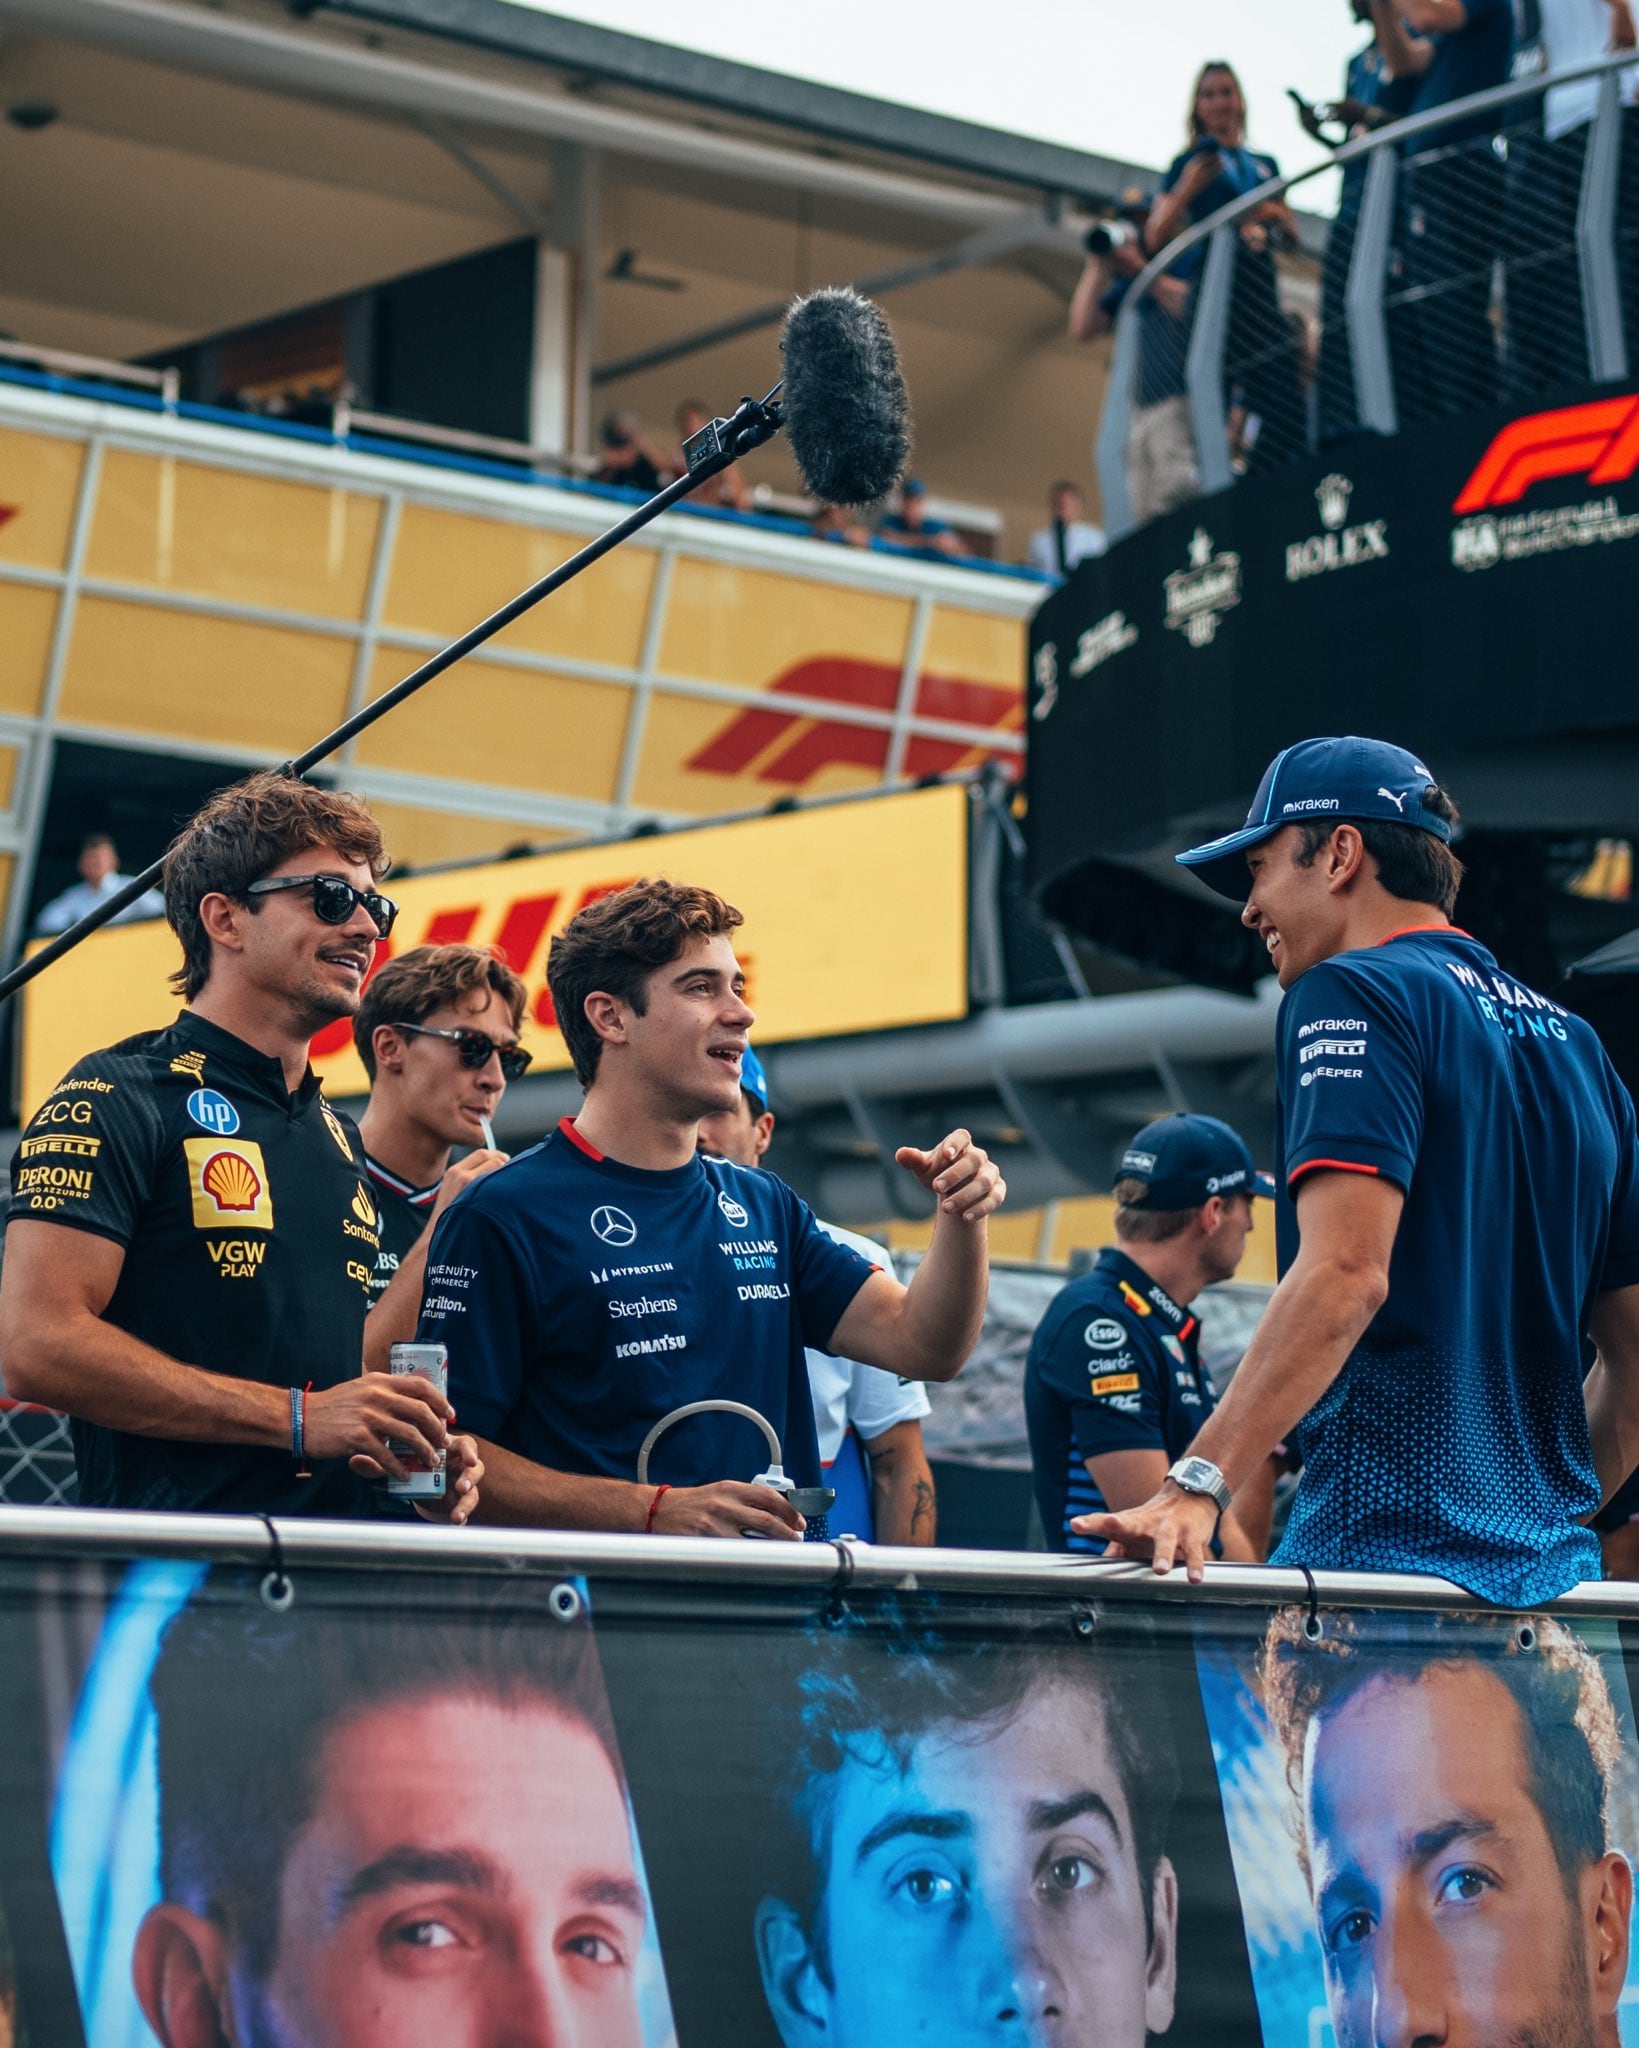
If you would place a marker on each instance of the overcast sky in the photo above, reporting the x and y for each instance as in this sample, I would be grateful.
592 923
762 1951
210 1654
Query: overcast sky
1111 76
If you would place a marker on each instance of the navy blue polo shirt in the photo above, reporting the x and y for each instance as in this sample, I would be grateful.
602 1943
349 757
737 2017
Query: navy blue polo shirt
1114 1366
1455 1440
1464 60
1244 170
582 1300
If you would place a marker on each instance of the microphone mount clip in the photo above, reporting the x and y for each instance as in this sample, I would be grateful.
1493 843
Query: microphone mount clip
722 441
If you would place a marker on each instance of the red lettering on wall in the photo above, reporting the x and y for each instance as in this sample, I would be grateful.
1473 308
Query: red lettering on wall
1599 441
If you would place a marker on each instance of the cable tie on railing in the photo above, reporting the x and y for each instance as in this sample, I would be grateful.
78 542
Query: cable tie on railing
278 1589
1312 1630
836 1610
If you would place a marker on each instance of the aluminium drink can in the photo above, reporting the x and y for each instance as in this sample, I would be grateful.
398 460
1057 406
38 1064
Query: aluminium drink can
432 1362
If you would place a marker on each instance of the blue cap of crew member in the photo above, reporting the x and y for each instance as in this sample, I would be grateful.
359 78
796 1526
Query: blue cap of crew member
1183 1160
753 1080
1321 782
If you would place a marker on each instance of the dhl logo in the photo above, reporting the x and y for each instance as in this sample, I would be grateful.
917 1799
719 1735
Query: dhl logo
1599 441
791 747
526 924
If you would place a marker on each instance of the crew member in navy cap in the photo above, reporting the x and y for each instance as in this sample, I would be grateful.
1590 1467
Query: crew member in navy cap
1459 1214
1114 1388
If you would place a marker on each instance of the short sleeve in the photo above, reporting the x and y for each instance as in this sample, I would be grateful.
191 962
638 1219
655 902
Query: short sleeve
1102 1368
879 1400
479 1302
1351 1079
90 1154
825 1275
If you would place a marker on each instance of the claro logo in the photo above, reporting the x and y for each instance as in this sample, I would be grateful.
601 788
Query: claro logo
1599 441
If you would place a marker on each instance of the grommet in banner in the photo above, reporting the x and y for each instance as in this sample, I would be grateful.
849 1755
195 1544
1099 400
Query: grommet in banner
565 1602
1312 1628
1525 1636
278 1588
1084 1620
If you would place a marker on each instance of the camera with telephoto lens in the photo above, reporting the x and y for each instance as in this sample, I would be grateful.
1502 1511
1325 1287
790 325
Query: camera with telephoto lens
1105 235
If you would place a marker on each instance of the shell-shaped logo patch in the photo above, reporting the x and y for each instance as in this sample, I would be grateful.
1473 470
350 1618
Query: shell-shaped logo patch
333 1125
228 1181
363 1208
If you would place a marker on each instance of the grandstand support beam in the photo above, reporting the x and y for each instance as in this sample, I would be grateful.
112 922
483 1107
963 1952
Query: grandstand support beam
1363 298
1595 238
1021 227
526 214
1204 369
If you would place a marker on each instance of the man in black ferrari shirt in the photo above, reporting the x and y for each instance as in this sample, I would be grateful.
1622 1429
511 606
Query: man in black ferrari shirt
437 1030
191 1232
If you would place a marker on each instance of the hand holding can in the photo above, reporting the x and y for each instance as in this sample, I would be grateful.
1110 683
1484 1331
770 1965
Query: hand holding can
431 1362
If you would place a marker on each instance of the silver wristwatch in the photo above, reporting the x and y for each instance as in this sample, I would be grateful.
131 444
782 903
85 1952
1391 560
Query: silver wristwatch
1200 1475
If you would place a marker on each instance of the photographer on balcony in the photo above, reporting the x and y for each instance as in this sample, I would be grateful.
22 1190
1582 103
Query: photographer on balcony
1441 338
1260 366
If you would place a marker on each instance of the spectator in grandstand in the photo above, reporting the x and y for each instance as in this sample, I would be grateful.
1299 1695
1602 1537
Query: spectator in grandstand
912 529
397 1822
1453 1777
629 456
869 1421
1216 169
997 1812
1440 331
1160 458
186 1248
100 878
1463 1168
1068 539
1546 337
437 1031
840 523
728 487
614 1273
1114 1388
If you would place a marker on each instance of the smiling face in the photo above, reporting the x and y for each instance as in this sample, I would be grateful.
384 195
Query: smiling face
998 1871
1219 109
683 1052
311 970
432 1088
1443 1913
1299 916
466 1881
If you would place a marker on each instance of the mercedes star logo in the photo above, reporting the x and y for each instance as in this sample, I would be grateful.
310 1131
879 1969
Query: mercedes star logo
614 1226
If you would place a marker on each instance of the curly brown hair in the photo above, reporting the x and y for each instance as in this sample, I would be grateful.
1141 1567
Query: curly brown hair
410 988
1568 1725
241 834
615 944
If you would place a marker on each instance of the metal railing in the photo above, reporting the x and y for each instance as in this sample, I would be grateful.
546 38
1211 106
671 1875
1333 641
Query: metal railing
1483 251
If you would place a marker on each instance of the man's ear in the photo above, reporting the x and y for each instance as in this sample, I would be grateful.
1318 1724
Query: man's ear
607 1016
388 1048
223 920
763 1129
797 1993
180 1969
1345 856
1611 1883
1161 1973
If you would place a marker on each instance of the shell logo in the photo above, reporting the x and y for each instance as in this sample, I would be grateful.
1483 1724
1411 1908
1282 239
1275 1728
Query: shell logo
230 1181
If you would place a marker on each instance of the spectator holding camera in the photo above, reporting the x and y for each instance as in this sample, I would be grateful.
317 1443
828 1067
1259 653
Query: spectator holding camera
629 457
1161 467
1215 170
1067 539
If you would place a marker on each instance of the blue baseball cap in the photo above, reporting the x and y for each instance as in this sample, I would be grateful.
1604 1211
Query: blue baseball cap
1185 1159
753 1080
1320 782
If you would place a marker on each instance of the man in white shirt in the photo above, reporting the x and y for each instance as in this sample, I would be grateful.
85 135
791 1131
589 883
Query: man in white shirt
99 877
1069 539
869 1421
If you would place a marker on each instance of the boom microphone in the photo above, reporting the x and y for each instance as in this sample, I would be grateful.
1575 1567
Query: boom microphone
846 408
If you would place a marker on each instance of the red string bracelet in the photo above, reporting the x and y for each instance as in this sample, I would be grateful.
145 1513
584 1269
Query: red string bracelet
660 1493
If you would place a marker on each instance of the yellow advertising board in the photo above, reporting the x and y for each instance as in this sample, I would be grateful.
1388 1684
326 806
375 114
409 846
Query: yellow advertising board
855 920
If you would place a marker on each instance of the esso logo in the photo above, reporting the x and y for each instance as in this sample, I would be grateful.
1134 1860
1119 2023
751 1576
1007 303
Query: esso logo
213 1112
613 1226
732 1210
1104 1333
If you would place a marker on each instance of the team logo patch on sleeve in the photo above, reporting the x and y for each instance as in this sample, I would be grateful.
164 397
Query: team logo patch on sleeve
1104 1333
228 1184
1113 1383
332 1124
213 1112
1134 1300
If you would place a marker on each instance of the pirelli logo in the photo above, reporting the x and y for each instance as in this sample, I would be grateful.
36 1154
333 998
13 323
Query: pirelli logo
1115 1383
75 1148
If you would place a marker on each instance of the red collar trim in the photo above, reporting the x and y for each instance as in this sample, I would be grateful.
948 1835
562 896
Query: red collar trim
566 1124
1406 931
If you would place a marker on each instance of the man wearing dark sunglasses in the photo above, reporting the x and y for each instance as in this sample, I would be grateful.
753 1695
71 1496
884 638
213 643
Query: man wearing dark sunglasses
191 1232
437 1031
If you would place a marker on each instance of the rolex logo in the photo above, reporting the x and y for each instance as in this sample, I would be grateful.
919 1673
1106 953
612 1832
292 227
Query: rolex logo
1332 495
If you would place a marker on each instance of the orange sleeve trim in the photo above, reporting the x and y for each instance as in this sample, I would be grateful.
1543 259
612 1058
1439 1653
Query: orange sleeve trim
1340 1165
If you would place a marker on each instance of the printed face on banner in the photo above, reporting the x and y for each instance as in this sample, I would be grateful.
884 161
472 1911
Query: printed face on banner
1461 1788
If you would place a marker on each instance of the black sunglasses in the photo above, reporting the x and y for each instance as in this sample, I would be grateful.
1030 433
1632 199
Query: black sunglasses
475 1050
334 900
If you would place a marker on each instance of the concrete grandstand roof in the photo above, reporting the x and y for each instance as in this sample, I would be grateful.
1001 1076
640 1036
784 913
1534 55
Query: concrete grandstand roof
744 90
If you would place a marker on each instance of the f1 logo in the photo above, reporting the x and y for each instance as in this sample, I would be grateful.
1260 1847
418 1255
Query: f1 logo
1599 441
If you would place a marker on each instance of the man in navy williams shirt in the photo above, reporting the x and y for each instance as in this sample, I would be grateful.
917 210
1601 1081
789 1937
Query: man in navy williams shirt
612 1275
1462 1181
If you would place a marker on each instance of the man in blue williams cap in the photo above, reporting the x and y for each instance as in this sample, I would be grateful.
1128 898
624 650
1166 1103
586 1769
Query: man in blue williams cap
1114 1387
1458 1215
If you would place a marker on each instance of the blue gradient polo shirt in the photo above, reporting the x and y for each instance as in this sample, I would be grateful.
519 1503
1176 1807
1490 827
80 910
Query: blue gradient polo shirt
1455 1440
582 1301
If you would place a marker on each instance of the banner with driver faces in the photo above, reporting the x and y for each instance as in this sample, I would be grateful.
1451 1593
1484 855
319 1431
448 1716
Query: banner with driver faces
343 1807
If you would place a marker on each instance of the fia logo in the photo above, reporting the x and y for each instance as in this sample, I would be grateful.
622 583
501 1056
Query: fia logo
613 1226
